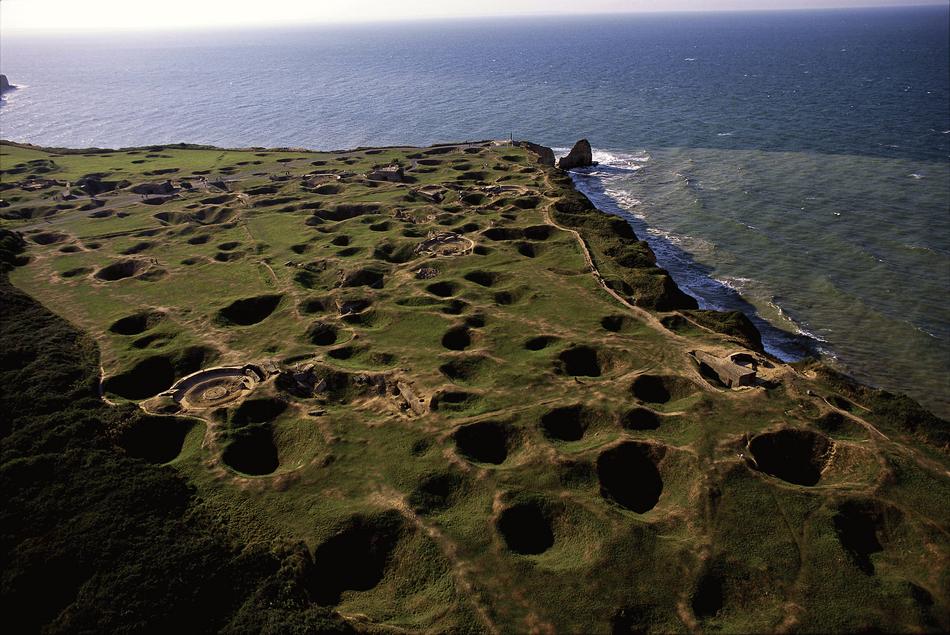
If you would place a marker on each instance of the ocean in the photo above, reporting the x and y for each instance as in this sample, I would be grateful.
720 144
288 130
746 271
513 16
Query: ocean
795 165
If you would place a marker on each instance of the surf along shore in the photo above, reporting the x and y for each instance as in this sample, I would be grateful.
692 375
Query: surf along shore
455 384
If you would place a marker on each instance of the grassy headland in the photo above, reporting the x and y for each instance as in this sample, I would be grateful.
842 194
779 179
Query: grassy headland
473 407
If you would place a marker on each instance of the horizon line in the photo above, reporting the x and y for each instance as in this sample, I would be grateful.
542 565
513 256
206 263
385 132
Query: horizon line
293 25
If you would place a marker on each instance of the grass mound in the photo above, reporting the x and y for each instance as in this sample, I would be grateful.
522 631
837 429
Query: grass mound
526 528
794 455
137 323
248 311
483 442
628 476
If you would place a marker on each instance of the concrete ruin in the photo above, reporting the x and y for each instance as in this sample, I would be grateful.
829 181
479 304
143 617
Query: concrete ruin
727 371
391 173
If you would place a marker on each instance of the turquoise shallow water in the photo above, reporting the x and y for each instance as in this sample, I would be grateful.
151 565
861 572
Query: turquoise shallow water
800 159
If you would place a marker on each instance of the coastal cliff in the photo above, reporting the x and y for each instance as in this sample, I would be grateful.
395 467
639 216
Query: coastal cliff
468 401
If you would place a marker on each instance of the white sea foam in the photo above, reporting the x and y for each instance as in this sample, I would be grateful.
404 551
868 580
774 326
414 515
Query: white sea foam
725 134
916 176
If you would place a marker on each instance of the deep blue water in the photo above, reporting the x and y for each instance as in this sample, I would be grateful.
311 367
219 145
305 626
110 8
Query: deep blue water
800 159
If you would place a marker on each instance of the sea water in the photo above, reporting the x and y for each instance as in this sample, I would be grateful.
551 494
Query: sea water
795 165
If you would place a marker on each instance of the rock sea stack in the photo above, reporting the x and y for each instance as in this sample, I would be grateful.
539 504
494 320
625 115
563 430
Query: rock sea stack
580 156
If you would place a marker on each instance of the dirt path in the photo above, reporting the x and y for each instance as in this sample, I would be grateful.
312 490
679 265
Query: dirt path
643 314
460 568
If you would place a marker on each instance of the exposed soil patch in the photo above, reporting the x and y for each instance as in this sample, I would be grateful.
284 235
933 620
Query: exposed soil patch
640 419
540 343
121 269
155 439
248 311
137 323
355 558
526 528
628 476
340 241
580 361
794 455
322 334
568 423
228 246
661 389
457 338
859 525
483 442
200 239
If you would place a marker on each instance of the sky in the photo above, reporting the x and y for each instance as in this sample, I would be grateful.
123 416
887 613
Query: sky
111 15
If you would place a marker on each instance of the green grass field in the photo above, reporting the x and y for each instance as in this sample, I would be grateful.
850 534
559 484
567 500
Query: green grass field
483 434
